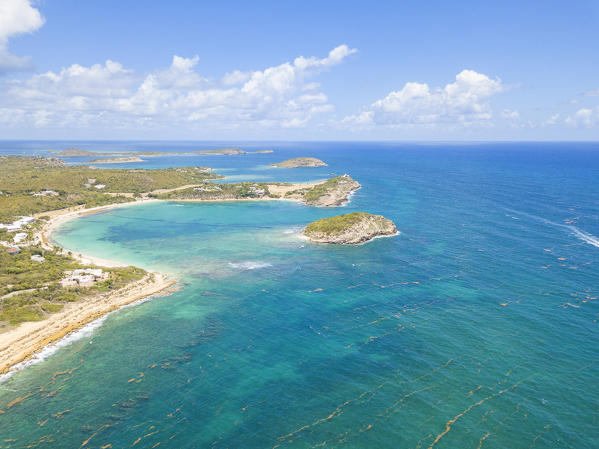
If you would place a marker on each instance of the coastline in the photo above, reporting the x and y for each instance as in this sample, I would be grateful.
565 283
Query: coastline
24 341
21 343
61 216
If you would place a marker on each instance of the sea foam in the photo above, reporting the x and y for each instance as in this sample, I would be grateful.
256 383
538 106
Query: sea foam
249 265
83 332
47 351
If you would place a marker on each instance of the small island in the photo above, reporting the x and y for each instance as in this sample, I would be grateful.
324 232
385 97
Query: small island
300 162
116 160
75 152
349 229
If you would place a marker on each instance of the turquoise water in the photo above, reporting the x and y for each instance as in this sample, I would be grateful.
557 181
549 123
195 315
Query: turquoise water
476 327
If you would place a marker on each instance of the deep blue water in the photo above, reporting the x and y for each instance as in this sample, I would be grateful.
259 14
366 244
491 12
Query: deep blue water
476 327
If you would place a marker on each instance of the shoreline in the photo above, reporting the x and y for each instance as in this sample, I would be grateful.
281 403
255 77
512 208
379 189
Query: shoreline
61 216
21 343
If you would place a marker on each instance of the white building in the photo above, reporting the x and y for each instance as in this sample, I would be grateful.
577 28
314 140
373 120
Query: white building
17 224
46 193
83 277
20 237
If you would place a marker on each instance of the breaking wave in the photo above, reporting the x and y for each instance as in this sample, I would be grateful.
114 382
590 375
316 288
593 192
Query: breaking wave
249 265
47 351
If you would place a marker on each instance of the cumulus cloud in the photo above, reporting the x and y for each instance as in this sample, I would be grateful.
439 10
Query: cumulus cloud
465 101
235 77
553 120
361 120
510 114
584 117
113 95
16 17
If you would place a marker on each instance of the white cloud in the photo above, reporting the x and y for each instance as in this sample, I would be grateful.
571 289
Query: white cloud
16 17
510 114
584 117
464 102
592 93
362 120
553 120
112 95
235 77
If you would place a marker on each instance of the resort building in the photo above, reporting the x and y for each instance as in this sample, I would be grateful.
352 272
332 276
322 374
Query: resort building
83 277
16 225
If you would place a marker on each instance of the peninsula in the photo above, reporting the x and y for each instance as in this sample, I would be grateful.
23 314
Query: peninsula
300 162
328 193
224 151
117 160
349 229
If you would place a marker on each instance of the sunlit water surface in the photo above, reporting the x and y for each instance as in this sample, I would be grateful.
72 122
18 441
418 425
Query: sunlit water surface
476 327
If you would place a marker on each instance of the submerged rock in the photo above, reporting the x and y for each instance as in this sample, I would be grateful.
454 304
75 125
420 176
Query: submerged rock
349 229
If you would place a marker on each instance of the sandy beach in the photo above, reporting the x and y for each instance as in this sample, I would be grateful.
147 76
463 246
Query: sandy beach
22 342
59 217
25 340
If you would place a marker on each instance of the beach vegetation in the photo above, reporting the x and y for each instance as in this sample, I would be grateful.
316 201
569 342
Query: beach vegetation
30 290
23 178
337 224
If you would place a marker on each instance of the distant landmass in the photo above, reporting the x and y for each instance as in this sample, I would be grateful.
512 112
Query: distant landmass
117 160
76 152
300 162
227 151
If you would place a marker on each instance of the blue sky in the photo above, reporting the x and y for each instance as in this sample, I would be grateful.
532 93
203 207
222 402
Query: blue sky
304 70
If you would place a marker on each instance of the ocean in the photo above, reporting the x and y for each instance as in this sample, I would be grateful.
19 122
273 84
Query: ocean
476 327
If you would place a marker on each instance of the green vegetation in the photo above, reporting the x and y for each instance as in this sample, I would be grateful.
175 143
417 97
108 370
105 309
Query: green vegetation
30 290
313 194
300 162
227 151
21 178
116 160
75 152
212 191
337 224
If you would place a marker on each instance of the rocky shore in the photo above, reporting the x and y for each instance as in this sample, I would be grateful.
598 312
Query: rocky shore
332 192
349 229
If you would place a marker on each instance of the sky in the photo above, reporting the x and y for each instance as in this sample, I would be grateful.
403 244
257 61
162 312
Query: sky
299 70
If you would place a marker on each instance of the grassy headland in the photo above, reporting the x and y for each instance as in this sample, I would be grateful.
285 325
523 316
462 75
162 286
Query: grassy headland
33 185
30 289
